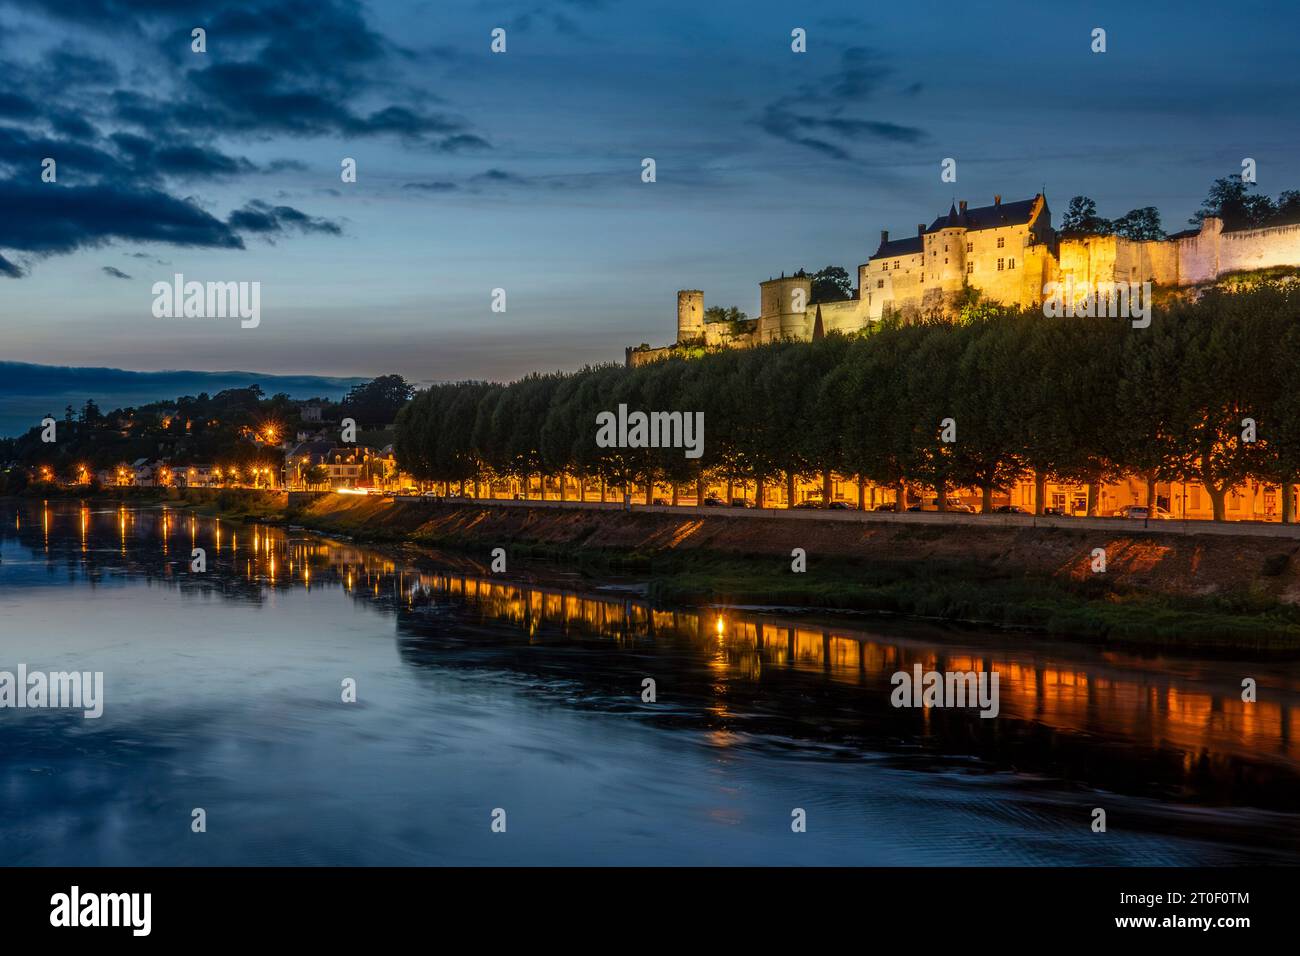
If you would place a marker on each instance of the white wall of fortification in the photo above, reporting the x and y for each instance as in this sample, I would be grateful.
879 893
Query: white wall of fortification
1198 255
1146 261
1259 248
850 315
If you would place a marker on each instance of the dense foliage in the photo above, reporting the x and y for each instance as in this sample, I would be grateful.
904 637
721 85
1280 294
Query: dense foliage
1078 400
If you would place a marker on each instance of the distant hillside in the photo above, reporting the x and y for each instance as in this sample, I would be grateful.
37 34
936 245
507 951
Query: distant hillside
28 392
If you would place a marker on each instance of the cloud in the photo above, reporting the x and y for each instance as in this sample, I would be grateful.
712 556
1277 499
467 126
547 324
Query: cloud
50 219
438 187
15 106
146 257
126 139
298 67
263 219
816 116
188 161
500 177
561 22
114 272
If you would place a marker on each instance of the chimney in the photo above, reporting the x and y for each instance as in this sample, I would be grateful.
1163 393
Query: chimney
962 204
997 200
884 236
920 230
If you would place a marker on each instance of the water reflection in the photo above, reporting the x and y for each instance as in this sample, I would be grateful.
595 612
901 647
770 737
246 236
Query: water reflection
1171 734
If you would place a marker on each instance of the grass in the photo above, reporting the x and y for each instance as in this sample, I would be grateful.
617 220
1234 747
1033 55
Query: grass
1094 609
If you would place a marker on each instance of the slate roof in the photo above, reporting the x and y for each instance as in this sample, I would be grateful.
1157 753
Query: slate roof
987 217
1016 213
898 247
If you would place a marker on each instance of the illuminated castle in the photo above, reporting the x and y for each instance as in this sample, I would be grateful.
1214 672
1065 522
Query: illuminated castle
1007 252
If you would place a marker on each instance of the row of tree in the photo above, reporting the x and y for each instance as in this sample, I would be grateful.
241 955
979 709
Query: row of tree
1230 198
1205 394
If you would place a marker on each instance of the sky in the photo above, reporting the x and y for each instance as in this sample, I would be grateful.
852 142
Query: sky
522 170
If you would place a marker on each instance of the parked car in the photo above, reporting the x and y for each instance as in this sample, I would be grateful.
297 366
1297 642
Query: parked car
1058 512
954 505
809 503
840 506
887 506
1142 512
740 502
661 501
1009 510
712 501
915 507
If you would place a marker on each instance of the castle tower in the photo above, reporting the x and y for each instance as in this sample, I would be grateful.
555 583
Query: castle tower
783 305
690 315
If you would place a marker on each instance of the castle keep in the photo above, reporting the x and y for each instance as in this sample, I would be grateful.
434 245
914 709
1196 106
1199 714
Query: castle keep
1007 252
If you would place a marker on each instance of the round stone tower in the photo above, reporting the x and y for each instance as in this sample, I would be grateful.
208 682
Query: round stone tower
783 305
690 315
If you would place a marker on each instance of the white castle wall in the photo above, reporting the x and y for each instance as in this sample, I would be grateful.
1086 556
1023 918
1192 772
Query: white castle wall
1259 248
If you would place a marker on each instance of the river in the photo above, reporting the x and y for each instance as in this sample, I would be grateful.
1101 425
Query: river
502 719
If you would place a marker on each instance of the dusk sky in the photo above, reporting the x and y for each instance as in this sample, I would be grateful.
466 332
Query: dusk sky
522 170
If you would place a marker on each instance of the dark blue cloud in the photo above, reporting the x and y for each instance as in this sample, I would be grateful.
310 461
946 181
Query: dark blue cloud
434 187
124 140
51 219
265 220
817 116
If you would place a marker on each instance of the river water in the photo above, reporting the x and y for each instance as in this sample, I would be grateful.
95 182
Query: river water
519 698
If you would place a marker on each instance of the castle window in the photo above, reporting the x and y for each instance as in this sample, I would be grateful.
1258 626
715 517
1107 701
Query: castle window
880 283
970 247
945 247
1000 264
945 260
970 267
1011 263
1001 242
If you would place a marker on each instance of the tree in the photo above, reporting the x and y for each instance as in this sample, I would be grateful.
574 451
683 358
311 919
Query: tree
1222 354
1139 224
377 402
716 313
986 406
1230 199
1278 401
1081 218
831 284
1288 208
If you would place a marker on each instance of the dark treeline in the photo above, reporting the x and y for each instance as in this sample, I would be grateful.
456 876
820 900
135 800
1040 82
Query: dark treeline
1074 400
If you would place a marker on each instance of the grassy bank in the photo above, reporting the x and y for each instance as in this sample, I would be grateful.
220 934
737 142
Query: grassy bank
1191 594
1210 593
966 592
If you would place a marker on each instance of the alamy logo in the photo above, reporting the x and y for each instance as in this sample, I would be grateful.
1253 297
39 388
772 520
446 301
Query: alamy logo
208 300
103 909
946 689
1104 300
77 690
651 430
